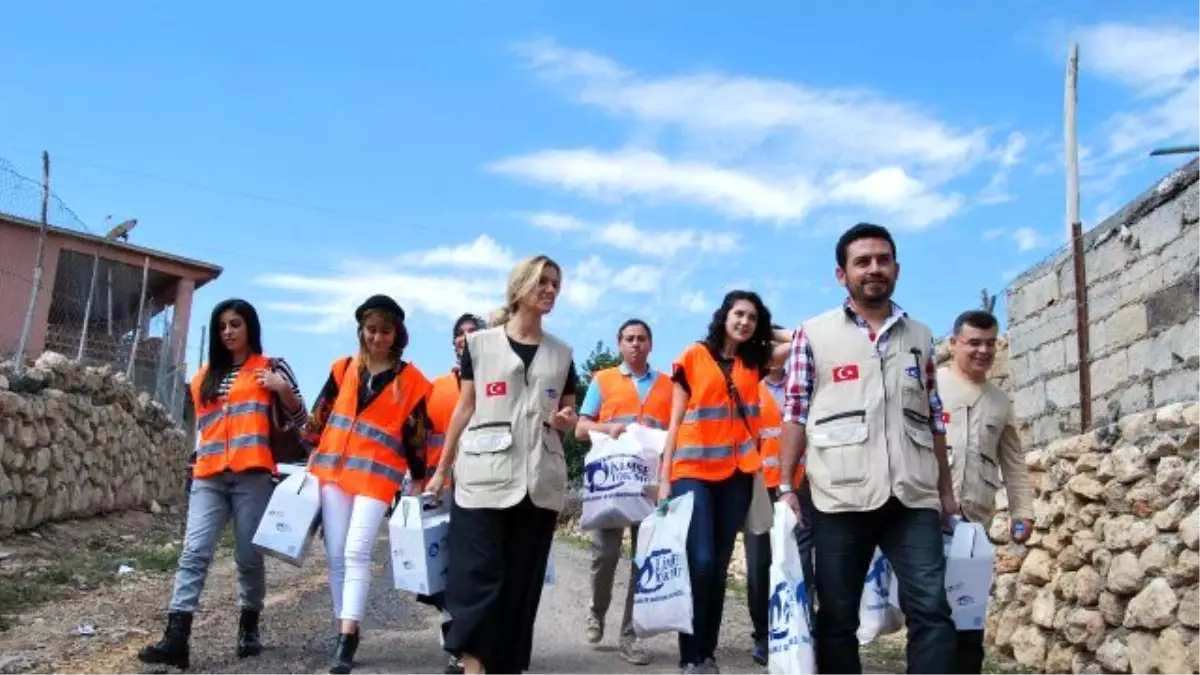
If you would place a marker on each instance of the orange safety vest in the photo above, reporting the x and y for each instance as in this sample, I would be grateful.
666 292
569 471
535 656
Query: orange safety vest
769 437
619 401
440 407
363 453
714 442
235 431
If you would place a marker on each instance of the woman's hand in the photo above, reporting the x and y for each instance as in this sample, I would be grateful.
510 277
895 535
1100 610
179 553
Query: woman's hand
272 380
435 484
565 418
664 491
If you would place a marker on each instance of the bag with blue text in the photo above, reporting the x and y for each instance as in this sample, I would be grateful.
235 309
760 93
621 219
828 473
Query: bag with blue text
662 596
619 475
789 632
876 614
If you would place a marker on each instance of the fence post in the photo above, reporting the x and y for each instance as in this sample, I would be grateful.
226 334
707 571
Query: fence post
1075 234
87 309
137 333
34 291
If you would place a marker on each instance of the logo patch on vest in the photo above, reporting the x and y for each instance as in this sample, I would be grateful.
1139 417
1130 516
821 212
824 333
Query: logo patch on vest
845 373
913 372
945 418
552 394
496 389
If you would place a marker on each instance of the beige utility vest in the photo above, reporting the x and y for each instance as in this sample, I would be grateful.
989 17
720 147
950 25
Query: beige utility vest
868 422
975 416
509 449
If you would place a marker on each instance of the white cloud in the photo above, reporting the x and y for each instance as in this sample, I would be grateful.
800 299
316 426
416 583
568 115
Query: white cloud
555 222
1161 64
996 190
638 279
764 156
613 176
627 236
592 280
1027 238
993 234
483 253
695 302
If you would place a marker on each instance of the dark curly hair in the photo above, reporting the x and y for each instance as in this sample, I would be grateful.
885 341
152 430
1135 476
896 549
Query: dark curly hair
755 353
220 360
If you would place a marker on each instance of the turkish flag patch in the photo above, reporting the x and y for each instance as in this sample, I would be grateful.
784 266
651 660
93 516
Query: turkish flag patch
845 373
945 418
496 388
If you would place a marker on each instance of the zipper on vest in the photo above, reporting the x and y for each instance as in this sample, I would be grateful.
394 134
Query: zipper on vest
842 415
488 425
883 383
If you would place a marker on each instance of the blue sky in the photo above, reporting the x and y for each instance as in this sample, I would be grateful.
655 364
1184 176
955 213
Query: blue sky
663 152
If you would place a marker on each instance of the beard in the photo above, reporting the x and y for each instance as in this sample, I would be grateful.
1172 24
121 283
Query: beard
878 293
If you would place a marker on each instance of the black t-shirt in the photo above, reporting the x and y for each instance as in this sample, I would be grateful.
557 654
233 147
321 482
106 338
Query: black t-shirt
466 371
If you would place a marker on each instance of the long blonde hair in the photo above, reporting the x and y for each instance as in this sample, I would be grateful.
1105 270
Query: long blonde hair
522 281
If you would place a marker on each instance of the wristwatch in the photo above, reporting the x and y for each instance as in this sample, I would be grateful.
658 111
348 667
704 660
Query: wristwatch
785 488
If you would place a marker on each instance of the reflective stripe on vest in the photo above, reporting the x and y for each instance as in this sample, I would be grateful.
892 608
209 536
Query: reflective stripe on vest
363 452
715 440
620 401
234 431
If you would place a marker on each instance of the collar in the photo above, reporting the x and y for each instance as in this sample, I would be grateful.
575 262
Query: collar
897 311
624 369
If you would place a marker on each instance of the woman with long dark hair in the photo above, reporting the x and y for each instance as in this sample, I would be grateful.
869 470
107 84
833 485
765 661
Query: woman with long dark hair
711 452
370 427
510 480
231 479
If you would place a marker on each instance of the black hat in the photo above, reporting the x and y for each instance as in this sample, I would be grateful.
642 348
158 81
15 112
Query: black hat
382 302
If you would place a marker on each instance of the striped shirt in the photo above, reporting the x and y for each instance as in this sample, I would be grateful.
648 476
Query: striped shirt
798 395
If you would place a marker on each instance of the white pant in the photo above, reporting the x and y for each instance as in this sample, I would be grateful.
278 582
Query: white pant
350 524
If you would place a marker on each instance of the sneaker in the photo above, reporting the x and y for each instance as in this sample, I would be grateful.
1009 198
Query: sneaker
709 667
759 653
595 630
690 669
454 667
634 652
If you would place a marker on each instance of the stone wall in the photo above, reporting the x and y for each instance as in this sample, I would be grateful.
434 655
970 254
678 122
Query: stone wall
1108 580
80 441
1143 284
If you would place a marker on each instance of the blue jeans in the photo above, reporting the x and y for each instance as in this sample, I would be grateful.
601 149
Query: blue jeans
911 540
718 513
214 501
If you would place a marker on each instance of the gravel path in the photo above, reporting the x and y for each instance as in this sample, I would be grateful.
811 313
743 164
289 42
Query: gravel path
400 635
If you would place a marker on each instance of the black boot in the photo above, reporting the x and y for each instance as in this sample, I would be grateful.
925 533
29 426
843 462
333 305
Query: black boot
172 649
343 653
248 642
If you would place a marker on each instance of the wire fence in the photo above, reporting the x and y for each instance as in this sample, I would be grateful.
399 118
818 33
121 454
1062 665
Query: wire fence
90 305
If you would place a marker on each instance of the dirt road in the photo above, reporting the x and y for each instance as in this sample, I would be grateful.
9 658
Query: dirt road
400 635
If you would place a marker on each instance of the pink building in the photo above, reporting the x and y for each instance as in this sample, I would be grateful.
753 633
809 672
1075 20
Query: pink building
67 264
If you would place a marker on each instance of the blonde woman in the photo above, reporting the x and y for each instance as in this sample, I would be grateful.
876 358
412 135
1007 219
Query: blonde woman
371 423
510 482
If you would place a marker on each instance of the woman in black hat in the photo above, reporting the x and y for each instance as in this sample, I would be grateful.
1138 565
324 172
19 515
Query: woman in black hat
370 426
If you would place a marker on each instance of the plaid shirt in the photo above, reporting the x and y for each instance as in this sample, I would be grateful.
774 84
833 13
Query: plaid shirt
798 394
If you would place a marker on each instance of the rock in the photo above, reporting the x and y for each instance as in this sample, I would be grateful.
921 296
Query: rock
1029 646
1171 471
1142 650
1112 608
1035 460
1191 415
155 508
1086 541
1011 619
1089 513
1189 529
1086 486
1044 608
1125 532
1072 448
1168 519
1176 653
1152 608
1156 559
1066 585
1089 462
1082 665
1125 575
1186 569
1088 586
1133 427
1071 558
1189 609
1009 558
10 664
1038 568
1059 659
998 530
1129 464
1085 627
1111 655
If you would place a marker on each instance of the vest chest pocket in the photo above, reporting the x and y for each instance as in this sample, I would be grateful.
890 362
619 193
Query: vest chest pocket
486 457
838 443
924 468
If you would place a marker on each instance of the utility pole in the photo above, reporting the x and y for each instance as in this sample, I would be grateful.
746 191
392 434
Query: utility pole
1075 232
35 290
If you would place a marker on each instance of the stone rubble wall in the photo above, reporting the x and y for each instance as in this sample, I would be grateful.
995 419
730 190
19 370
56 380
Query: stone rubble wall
1143 286
1107 583
80 441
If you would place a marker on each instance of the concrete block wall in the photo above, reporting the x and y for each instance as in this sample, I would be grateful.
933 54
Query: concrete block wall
1143 282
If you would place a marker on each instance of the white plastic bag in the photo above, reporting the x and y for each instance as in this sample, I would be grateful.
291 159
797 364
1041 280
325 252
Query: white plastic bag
662 599
618 476
876 615
790 644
